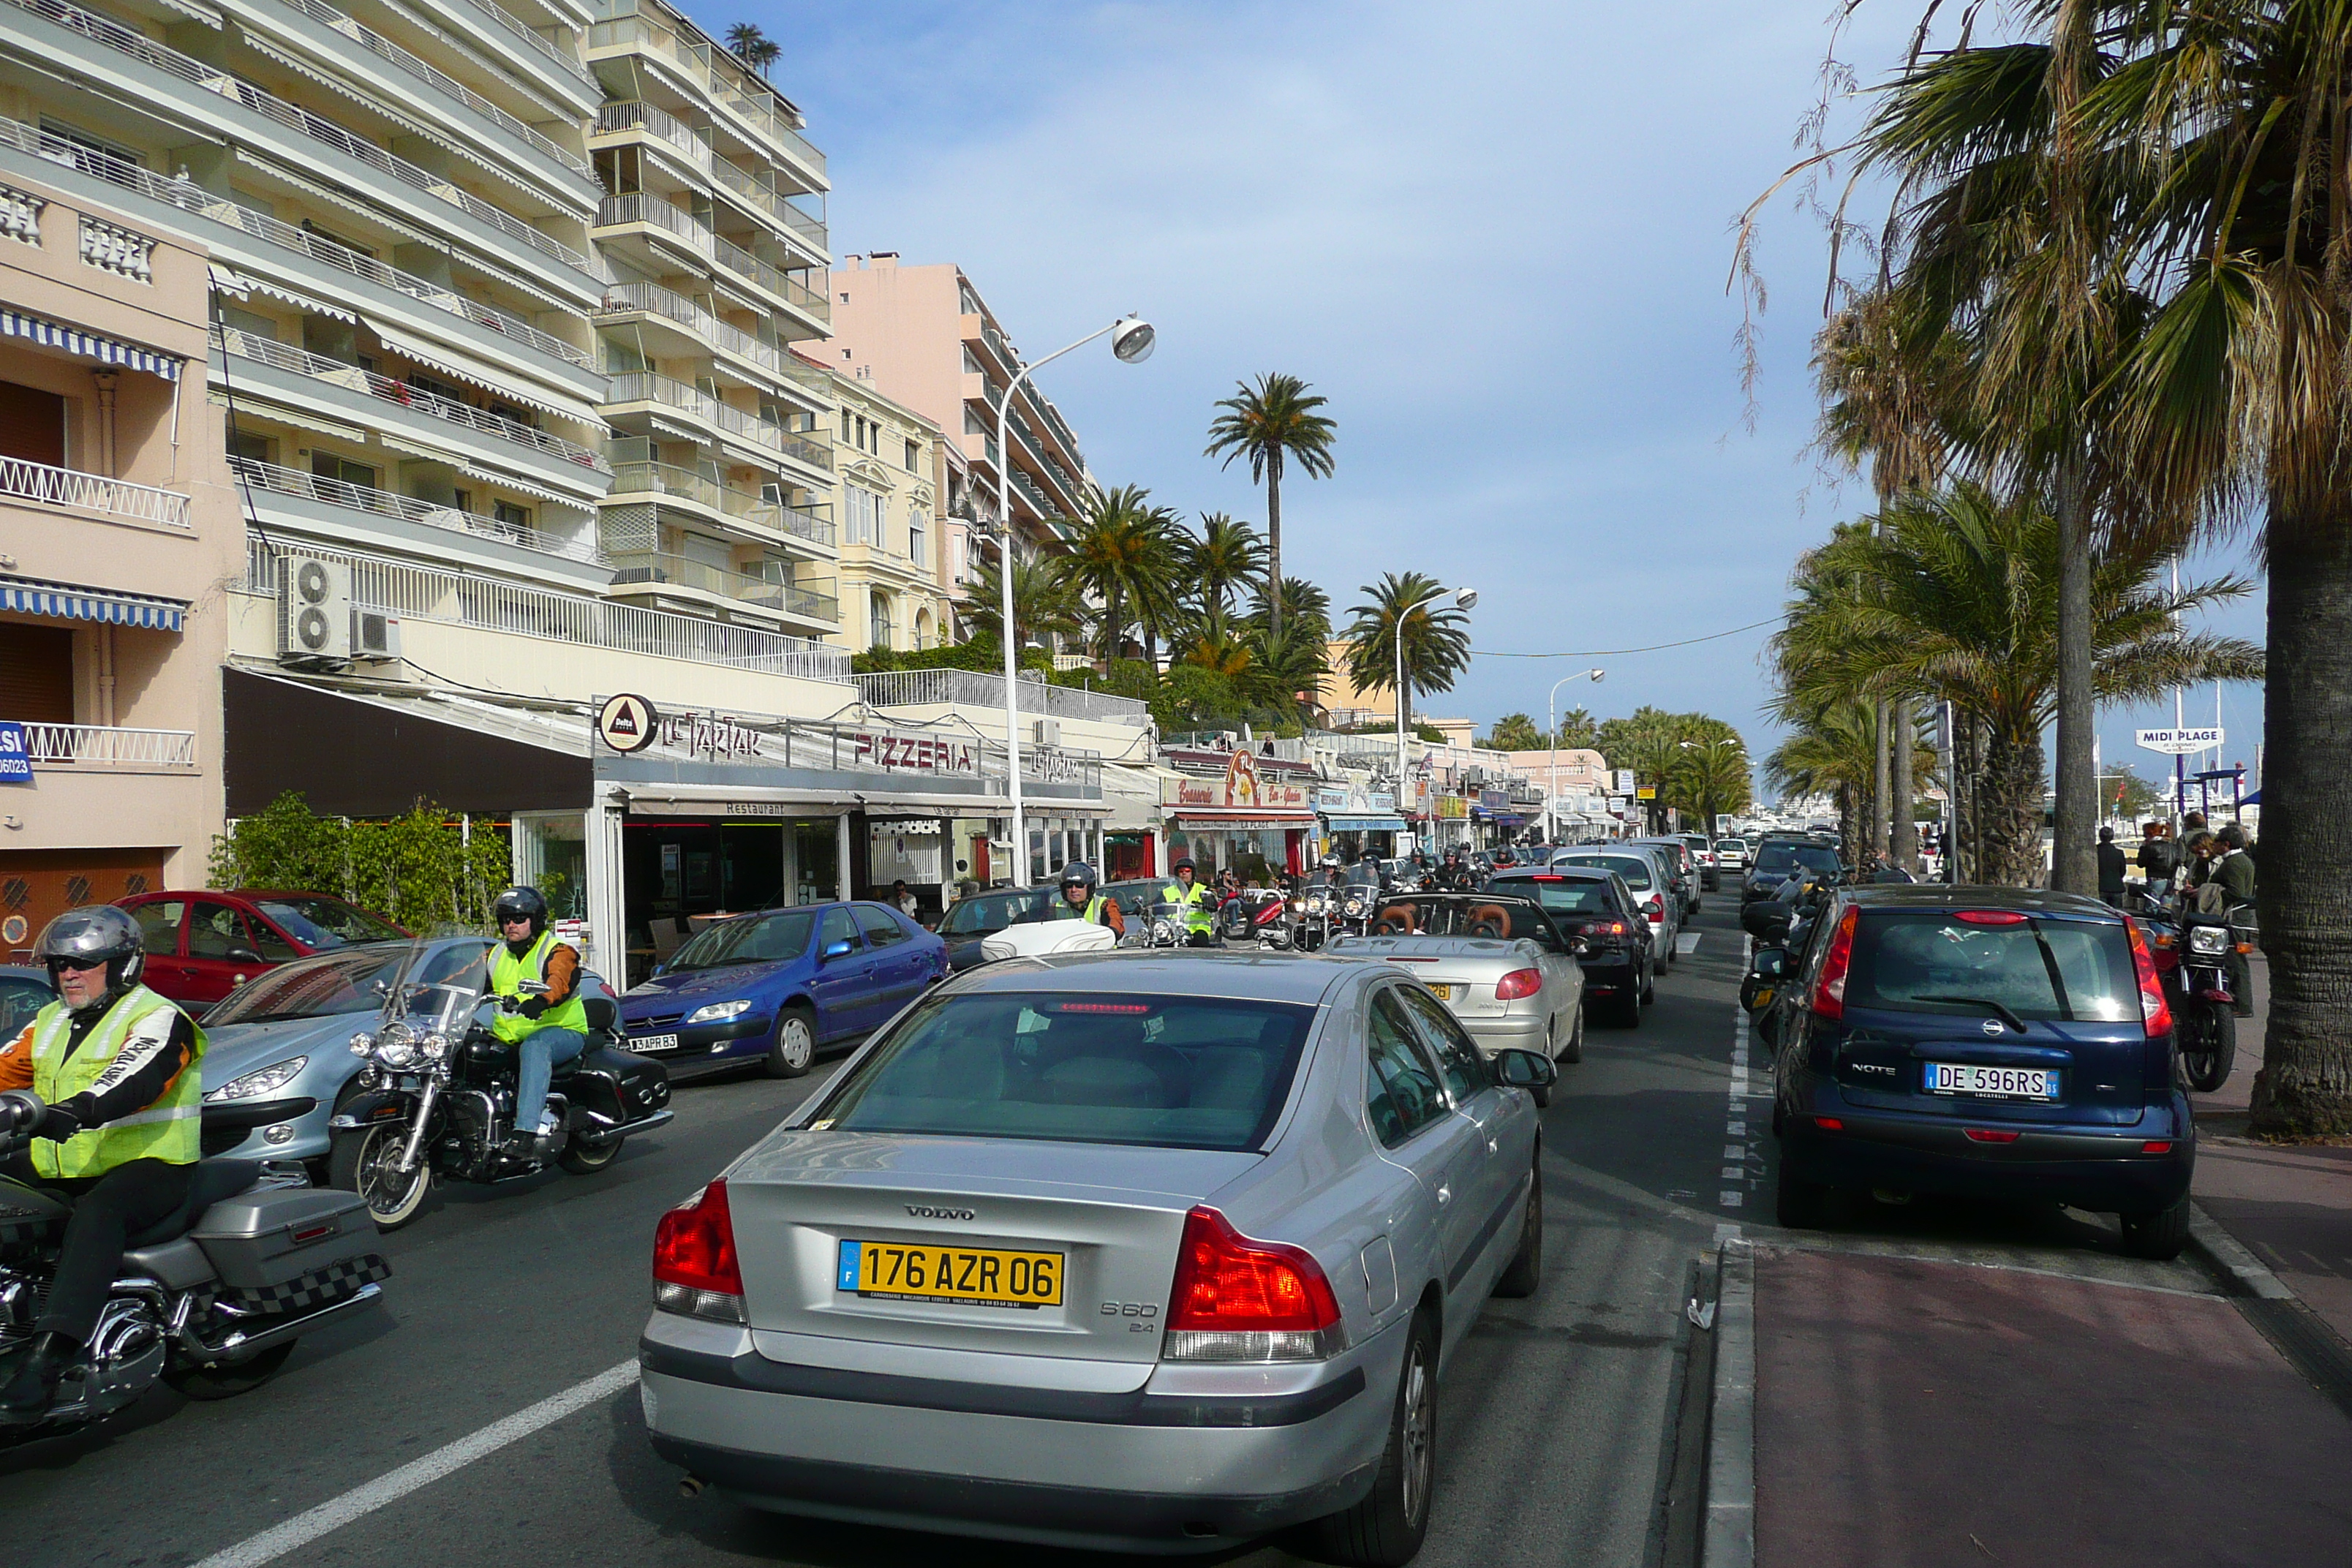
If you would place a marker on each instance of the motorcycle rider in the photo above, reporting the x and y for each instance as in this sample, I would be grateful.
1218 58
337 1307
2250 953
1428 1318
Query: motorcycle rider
106 1079
1187 893
1080 900
2231 874
543 1030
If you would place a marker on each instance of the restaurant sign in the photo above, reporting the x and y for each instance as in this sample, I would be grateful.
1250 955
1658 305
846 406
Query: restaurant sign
1237 788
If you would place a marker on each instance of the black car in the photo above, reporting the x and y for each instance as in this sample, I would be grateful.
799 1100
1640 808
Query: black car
970 920
1992 1042
1778 860
1620 966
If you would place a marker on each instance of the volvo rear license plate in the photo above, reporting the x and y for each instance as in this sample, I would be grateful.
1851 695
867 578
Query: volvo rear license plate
1992 1083
644 1043
964 1276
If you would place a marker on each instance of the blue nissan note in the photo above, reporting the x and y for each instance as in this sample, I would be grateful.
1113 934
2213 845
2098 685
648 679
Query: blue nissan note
1978 1042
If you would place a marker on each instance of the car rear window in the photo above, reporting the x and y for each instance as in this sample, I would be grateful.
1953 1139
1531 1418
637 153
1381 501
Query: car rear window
2042 967
1571 896
1786 856
319 924
1167 1072
1634 868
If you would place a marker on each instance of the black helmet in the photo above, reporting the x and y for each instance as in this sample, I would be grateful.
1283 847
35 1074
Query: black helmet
521 904
93 934
1077 873
1181 863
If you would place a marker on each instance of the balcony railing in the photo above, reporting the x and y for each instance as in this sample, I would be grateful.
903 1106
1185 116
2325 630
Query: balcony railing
130 41
775 204
644 386
653 300
105 746
384 503
685 484
94 493
646 207
531 41
647 568
768 276
709 68
318 367
191 198
909 688
634 114
441 82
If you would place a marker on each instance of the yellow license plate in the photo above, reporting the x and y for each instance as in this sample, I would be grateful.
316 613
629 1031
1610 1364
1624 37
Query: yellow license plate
973 1276
1443 992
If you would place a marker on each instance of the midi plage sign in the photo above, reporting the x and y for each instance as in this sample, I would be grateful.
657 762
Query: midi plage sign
2180 743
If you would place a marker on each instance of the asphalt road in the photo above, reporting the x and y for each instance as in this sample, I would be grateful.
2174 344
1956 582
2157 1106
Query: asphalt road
1557 1419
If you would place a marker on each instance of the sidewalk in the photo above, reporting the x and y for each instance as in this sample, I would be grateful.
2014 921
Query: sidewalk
2291 1207
1943 1415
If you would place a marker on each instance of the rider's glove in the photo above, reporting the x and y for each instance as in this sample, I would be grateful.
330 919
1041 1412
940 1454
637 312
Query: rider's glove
57 1125
533 1007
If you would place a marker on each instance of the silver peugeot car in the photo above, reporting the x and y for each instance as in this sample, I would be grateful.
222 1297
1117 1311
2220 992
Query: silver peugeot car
1138 1249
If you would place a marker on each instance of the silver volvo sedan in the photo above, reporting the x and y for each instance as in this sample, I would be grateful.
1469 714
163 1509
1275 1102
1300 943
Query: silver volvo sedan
1133 1250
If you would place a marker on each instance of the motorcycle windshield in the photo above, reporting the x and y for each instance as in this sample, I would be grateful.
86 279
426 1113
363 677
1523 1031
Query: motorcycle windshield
439 986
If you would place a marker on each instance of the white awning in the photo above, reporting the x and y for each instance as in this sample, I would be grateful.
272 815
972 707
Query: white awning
275 291
228 282
443 359
580 497
351 203
250 406
418 449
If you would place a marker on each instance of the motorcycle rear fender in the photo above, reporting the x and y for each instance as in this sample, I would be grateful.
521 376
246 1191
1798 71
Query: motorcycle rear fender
376 1105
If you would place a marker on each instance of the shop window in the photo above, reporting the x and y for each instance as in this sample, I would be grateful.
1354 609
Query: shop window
32 424
36 674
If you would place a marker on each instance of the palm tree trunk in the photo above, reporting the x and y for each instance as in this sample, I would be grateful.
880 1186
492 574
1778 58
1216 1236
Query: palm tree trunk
1881 783
1905 843
2305 898
2074 862
2012 809
1274 545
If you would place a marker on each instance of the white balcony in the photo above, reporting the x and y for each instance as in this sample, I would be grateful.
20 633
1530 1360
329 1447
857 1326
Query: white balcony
291 499
94 748
21 481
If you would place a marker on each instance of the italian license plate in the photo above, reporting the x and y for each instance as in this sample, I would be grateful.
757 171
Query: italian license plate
1441 991
648 1042
965 1276
1992 1083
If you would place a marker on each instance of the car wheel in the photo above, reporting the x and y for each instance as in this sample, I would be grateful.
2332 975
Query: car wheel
1523 1275
1629 1009
1574 1050
1798 1204
2159 1236
1650 987
794 1046
1385 1530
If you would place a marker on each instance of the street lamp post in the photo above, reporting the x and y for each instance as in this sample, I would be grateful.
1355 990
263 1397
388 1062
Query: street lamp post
1133 339
1551 745
1455 598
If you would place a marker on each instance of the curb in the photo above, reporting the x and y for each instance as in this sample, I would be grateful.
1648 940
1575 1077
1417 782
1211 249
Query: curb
2306 1339
1727 1533
2226 1256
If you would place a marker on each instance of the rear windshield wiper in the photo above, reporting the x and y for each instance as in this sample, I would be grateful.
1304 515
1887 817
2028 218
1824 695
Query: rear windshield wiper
1987 1003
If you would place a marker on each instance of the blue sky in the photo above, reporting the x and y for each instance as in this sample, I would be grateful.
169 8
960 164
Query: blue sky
1494 236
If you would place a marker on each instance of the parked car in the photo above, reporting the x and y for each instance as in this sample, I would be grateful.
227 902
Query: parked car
972 920
1778 858
1145 1248
1619 962
776 987
1681 870
1643 871
25 990
1732 855
276 1056
201 946
1981 1043
1710 869
1504 966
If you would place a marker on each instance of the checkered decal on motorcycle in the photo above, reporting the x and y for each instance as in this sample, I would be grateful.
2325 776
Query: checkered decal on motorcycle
318 1288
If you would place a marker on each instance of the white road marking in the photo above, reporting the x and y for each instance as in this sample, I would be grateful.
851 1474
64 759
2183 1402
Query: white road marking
1728 1198
360 1501
1686 943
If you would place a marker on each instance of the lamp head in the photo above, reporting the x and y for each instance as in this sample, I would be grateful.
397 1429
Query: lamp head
1466 598
1133 339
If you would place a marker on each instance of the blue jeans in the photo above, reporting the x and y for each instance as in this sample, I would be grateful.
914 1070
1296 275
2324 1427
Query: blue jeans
540 1051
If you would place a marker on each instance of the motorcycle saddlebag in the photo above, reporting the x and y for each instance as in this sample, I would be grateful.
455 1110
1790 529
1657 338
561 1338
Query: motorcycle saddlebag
643 1085
290 1246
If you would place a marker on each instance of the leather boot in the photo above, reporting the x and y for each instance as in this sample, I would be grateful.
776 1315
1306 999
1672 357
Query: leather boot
27 1397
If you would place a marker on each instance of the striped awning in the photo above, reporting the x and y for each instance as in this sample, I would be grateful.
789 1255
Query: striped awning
90 345
66 602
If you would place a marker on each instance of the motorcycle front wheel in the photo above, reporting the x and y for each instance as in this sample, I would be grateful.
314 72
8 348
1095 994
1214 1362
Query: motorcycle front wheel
368 1163
2209 1046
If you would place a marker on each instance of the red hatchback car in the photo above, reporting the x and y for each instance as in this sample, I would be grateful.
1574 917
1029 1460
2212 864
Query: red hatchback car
203 945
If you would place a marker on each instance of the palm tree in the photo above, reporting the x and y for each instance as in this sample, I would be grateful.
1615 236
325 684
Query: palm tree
1958 598
752 47
1306 608
1129 555
1833 751
1045 603
1227 556
1436 642
1267 424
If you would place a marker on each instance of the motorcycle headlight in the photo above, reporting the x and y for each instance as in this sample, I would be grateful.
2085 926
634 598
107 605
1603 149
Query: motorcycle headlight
1297 906
362 1043
255 1084
435 1047
719 1011
1355 906
396 1054
2209 939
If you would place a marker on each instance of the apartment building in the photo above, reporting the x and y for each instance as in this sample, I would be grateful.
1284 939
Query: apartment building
712 222
118 528
888 459
924 336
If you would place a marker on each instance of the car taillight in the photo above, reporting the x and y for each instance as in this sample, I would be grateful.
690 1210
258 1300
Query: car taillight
1990 916
695 1272
1655 909
1829 996
1238 1300
1518 982
2154 1012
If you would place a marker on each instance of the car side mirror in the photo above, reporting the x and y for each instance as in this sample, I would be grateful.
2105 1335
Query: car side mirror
1525 1070
1770 962
243 955
833 949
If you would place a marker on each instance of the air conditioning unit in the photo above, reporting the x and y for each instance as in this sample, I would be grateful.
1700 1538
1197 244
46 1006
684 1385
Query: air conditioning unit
1047 732
374 635
314 610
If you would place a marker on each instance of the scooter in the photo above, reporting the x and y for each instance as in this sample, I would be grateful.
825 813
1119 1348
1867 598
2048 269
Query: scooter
1255 917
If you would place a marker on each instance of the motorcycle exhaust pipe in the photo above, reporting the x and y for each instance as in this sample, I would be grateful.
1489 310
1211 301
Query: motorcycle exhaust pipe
689 1486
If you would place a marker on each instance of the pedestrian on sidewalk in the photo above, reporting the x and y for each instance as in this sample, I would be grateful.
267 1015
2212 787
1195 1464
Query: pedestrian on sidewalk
2111 868
2156 858
2231 875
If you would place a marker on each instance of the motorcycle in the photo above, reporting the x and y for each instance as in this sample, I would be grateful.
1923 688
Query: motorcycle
210 1299
1255 917
437 1096
1310 917
1163 923
2192 960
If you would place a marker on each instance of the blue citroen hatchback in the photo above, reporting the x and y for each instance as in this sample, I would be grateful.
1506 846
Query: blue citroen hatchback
774 987
1978 1042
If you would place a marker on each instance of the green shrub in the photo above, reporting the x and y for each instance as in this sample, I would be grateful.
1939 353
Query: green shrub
419 870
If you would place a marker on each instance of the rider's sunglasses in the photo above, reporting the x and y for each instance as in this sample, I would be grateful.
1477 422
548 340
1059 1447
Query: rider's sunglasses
78 966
